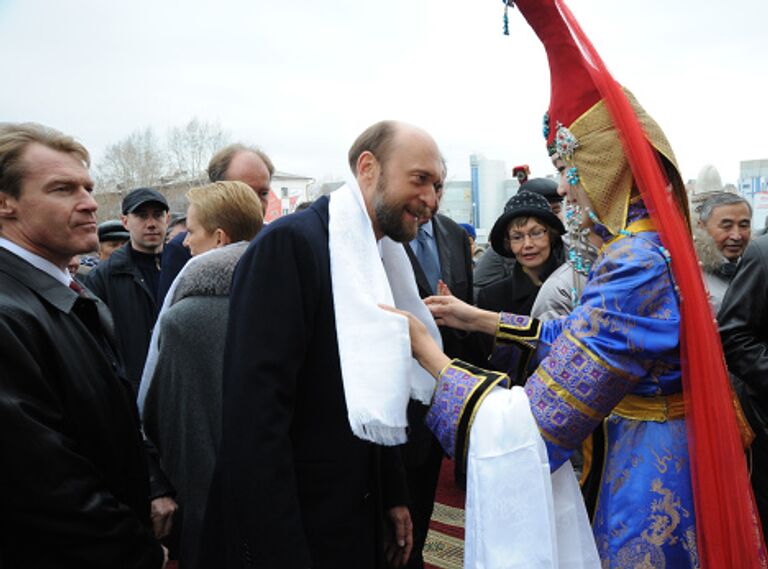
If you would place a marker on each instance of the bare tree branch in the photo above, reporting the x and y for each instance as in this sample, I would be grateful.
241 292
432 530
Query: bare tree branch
141 160
191 146
137 160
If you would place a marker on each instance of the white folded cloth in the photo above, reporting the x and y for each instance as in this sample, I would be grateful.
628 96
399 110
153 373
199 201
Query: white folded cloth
518 514
378 371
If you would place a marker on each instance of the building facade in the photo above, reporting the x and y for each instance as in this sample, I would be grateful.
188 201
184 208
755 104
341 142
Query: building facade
753 185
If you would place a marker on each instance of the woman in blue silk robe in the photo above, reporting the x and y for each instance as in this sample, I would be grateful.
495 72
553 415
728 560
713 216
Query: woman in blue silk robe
615 357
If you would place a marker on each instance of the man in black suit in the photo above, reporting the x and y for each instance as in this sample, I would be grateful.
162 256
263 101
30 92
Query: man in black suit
744 332
294 487
440 252
74 485
448 246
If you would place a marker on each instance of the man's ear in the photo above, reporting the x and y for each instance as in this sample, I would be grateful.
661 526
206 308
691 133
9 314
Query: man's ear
367 166
7 206
701 224
124 221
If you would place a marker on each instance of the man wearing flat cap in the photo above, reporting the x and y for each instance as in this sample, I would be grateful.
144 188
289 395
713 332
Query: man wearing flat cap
127 281
112 236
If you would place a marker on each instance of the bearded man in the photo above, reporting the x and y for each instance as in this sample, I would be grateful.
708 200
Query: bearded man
317 377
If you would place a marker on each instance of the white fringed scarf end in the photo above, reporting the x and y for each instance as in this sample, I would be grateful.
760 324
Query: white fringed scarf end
379 374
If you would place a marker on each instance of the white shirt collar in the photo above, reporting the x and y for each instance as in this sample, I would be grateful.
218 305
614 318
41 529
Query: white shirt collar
37 261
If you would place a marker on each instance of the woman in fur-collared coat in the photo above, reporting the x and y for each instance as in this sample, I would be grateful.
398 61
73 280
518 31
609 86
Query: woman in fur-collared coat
182 409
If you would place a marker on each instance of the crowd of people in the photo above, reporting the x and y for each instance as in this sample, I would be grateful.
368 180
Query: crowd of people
215 392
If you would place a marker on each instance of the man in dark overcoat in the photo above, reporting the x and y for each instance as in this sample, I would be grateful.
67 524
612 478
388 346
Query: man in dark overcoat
74 488
294 487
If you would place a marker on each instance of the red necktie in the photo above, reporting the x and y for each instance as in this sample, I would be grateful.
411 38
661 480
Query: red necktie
74 285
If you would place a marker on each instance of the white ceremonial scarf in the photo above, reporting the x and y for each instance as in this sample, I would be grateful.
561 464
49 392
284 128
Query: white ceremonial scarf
379 374
518 514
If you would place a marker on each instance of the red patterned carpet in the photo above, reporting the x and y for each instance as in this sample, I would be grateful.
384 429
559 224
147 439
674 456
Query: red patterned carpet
444 548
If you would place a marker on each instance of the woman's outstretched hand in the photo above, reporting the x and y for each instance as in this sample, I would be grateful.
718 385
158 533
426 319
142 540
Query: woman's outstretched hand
424 348
454 313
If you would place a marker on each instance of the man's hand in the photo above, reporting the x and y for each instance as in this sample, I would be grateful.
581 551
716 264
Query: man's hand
399 540
162 515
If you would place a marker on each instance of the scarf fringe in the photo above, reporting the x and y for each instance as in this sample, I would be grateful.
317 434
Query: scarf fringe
373 430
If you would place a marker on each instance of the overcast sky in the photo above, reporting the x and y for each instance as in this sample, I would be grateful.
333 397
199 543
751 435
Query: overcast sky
302 78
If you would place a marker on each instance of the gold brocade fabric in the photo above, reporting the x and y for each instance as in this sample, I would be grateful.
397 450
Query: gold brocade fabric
659 408
603 168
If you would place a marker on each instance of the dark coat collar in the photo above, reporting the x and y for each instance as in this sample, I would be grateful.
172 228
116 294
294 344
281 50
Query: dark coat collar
320 207
120 259
43 284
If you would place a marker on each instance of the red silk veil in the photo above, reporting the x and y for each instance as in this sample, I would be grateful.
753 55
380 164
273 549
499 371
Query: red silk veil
729 534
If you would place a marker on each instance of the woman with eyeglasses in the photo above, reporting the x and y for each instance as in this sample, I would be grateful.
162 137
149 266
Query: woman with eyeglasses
529 231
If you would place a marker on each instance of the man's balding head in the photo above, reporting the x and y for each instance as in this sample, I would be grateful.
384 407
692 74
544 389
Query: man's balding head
400 171
376 139
247 164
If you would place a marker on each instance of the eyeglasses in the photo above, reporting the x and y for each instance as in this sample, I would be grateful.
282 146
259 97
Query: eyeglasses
519 238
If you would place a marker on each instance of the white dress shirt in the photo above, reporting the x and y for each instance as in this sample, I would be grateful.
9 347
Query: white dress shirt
61 275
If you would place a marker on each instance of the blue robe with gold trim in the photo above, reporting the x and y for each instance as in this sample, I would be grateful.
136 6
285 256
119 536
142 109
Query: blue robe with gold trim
616 356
